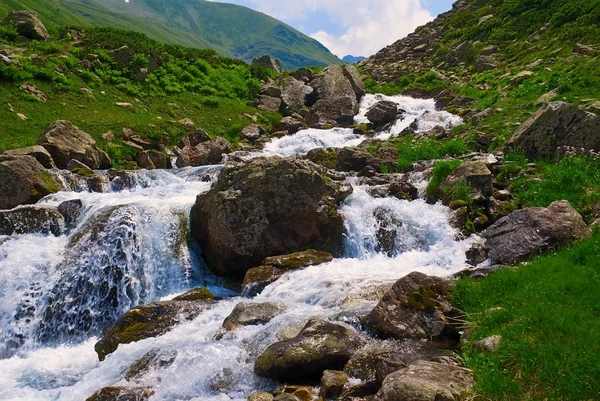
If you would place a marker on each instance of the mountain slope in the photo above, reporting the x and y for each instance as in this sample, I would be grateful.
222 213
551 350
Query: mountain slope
229 29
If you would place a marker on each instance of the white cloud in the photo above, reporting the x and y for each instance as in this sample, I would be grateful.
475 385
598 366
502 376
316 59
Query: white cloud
369 25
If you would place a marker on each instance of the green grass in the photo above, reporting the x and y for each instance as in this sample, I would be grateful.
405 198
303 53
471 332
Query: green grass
441 170
410 150
548 314
428 81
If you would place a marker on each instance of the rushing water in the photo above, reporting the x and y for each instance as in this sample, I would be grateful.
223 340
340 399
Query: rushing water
138 235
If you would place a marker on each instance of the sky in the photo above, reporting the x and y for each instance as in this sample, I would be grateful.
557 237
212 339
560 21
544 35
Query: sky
356 27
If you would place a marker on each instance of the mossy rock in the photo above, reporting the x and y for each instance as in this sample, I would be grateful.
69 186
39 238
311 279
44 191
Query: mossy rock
298 260
122 393
197 294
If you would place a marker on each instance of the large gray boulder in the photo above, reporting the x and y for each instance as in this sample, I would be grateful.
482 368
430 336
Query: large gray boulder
31 220
269 62
557 124
28 24
265 207
415 307
204 154
320 346
23 180
248 314
382 113
65 142
527 232
427 381
38 152
294 94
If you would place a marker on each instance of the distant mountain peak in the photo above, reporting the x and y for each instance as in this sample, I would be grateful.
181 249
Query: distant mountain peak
353 59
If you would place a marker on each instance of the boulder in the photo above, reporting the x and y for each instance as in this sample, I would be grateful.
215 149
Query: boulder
249 314
148 321
152 159
527 232
23 180
292 124
123 56
197 294
427 381
488 344
294 94
332 384
268 103
70 210
556 124
154 359
413 308
36 151
122 393
351 73
27 24
475 173
31 220
382 113
265 207
252 132
194 135
373 154
66 142
204 154
260 396
269 62
32 90
319 346
329 113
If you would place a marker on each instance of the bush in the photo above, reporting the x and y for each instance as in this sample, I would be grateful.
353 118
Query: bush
8 33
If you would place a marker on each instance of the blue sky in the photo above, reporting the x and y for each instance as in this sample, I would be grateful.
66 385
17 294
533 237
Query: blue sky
357 27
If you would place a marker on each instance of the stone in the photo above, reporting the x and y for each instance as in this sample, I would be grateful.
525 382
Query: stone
476 255
528 232
24 180
264 207
484 19
427 381
269 62
332 384
31 220
75 166
488 344
271 91
475 173
154 359
556 125
303 74
65 142
415 307
268 103
197 294
148 321
36 151
27 24
123 56
249 314
294 94
331 113
32 90
204 154
320 346
71 211
292 124
585 50
124 105
260 396
195 136
252 133
351 73
152 159
373 154
122 393
382 113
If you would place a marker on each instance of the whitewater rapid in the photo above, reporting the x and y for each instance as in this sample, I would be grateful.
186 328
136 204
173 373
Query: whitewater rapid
160 263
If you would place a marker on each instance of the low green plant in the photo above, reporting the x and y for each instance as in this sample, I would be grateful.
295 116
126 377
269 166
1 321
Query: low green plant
441 170
410 151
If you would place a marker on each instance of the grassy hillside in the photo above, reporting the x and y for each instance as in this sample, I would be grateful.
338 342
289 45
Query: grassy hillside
231 30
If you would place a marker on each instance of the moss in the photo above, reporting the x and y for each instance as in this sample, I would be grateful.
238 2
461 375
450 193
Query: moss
326 159
84 172
50 186
197 294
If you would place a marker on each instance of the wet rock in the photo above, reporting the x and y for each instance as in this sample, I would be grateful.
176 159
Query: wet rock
31 220
204 154
121 179
382 113
488 344
260 396
528 232
286 397
556 124
252 132
426 381
269 62
38 152
387 232
326 157
122 393
27 24
148 321
197 294
66 142
249 314
476 254
294 95
23 180
151 159
154 359
375 154
319 346
70 210
332 384
265 207
413 308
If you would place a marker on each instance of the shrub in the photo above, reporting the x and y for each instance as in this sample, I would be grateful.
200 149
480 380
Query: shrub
441 170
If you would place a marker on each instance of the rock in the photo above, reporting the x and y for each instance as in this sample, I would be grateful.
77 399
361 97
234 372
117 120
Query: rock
326 157
413 308
269 62
36 151
195 136
382 113
78 167
122 393
32 90
271 91
148 321
330 113
286 397
476 255
351 73
373 154
66 142
70 210
31 220
123 56
485 18
268 103
292 124
252 132
294 95
264 207
303 74
23 180
488 344
27 24
197 294
585 50
547 97
204 154
151 159
319 346
475 173
154 359
249 314
556 124
527 232
260 396
426 381
124 105
332 384
459 54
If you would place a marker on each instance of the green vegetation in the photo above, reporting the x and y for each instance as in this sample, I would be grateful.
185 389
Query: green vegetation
230 30
212 91
547 312
441 170
428 81
410 150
